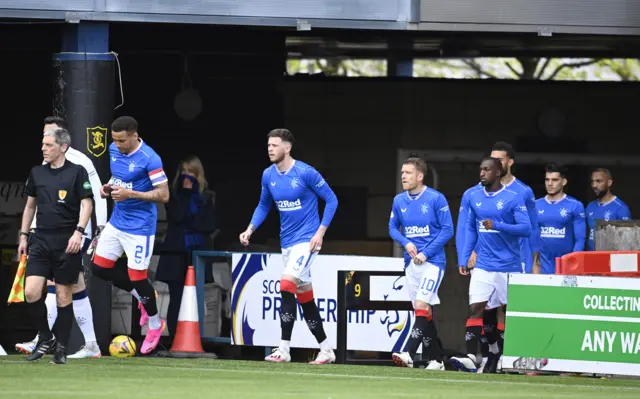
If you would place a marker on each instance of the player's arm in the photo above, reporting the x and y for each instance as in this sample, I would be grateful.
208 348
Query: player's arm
461 226
446 227
30 206
522 226
579 228
534 236
264 206
96 184
624 213
322 189
394 228
470 241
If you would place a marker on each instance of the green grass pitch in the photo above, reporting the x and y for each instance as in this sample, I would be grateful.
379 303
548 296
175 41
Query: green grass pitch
157 378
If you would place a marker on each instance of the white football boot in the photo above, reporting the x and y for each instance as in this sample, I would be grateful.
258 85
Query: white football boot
435 366
27 347
325 357
278 356
89 351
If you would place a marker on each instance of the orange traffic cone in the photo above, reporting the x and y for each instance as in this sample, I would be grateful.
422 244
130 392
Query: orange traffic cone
187 337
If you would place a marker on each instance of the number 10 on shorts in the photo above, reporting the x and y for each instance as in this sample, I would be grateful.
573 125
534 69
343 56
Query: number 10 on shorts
427 285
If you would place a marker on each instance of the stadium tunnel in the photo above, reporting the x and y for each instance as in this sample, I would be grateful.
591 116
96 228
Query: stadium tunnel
216 91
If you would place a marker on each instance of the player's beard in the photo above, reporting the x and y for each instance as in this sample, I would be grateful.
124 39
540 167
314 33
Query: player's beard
601 194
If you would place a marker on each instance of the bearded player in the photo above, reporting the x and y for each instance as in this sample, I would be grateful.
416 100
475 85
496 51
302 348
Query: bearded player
295 187
137 183
423 215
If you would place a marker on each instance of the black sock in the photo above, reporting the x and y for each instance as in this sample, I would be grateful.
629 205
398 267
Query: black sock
484 345
501 340
490 326
417 334
114 276
288 314
473 335
39 314
431 342
64 322
147 296
314 321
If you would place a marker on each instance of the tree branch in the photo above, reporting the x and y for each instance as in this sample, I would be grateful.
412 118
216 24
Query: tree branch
571 65
474 65
512 69
544 67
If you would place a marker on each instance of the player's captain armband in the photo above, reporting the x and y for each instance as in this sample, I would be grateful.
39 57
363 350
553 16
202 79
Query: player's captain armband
157 176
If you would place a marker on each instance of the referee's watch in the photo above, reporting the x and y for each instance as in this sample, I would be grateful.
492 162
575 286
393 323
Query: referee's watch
80 229
22 233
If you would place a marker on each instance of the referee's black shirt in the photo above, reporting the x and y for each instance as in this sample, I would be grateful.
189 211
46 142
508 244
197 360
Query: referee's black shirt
58 194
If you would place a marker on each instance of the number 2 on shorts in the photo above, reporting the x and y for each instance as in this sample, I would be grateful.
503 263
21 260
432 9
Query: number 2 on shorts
138 254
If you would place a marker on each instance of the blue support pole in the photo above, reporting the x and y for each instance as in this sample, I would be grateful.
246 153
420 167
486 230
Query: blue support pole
404 68
84 83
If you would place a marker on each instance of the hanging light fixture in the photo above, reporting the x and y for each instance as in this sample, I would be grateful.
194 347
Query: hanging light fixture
187 103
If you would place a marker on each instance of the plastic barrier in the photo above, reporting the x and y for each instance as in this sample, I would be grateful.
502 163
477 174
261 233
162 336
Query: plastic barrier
600 263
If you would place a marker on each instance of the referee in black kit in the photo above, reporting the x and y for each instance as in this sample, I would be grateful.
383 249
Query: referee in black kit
56 189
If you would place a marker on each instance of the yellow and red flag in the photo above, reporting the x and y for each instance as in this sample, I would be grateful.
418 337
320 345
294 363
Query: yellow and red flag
17 289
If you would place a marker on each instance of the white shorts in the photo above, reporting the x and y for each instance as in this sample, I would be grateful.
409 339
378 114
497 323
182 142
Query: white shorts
423 281
298 260
488 287
113 243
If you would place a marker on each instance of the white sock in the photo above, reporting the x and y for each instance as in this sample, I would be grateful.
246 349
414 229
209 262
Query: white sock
493 348
84 317
285 345
135 295
324 345
52 309
154 322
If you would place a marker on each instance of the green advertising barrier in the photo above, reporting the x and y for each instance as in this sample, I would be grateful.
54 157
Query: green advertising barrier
578 324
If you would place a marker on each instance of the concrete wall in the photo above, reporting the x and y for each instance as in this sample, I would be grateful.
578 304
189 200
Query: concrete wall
350 131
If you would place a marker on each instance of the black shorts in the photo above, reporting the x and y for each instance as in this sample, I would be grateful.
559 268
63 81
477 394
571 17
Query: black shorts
48 258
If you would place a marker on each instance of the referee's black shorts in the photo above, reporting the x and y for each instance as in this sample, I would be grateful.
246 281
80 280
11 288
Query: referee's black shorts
48 258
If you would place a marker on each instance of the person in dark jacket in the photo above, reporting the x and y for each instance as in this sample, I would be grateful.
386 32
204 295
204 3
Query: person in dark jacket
191 221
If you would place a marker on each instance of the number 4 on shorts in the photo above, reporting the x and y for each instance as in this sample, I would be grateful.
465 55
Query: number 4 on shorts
300 260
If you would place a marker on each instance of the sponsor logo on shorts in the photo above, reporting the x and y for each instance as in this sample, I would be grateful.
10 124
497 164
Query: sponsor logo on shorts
287 206
552 232
417 231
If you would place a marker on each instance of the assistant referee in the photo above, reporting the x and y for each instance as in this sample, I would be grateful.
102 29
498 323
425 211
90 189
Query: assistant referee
57 189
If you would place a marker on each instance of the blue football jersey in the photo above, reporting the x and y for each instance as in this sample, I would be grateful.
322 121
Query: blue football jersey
528 244
498 249
615 209
141 171
295 193
425 221
563 229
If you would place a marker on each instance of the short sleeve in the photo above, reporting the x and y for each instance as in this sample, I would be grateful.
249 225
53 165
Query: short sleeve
155 170
83 185
30 186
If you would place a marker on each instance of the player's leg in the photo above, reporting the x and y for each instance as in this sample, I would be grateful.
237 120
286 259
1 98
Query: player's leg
84 317
37 273
413 274
501 318
298 269
108 251
52 313
481 288
139 250
424 329
288 311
